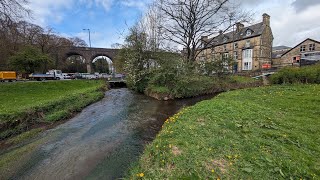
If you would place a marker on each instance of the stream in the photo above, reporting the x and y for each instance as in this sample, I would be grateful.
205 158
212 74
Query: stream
103 140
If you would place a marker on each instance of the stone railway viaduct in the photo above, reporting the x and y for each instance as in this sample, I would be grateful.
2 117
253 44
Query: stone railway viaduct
89 54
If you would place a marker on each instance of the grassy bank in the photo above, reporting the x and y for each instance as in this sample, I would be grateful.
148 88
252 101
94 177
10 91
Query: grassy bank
195 85
260 133
23 105
305 74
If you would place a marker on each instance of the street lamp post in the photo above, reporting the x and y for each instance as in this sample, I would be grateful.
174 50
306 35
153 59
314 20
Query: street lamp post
89 64
89 36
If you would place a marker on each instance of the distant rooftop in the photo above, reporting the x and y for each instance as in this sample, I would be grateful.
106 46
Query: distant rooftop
280 48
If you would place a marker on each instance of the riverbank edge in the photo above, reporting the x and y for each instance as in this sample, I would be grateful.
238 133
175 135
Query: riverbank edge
14 132
160 145
215 90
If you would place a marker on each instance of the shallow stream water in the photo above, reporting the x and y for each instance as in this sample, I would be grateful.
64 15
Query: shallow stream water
102 141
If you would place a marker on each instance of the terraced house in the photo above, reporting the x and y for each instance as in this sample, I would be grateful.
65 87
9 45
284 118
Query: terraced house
250 47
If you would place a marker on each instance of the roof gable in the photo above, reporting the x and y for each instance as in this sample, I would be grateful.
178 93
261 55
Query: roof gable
300 44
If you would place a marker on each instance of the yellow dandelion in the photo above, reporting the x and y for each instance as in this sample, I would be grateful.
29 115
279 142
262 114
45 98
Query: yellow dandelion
212 170
141 175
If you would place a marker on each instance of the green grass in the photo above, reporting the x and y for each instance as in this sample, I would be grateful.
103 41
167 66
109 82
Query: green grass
259 133
25 104
16 97
24 136
158 89
289 75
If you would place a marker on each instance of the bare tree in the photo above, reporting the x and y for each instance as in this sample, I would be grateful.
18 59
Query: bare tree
186 21
12 11
151 22
76 41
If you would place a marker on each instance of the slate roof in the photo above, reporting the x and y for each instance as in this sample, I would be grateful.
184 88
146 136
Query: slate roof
233 36
280 48
278 54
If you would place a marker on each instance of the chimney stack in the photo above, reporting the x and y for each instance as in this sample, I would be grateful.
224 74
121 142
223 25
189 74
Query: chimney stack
266 19
239 26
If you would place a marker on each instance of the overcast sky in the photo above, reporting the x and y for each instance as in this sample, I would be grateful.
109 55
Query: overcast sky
292 21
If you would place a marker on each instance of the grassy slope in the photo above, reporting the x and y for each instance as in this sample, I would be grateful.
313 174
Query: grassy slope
260 133
29 103
19 96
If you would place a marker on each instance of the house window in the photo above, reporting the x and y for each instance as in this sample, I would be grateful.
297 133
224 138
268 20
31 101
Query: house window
235 55
248 33
296 59
247 65
248 53
302 48
248 43
235 45
247 59
226 55
312 47
225 47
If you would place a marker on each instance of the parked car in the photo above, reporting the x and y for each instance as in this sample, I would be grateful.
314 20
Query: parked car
66 76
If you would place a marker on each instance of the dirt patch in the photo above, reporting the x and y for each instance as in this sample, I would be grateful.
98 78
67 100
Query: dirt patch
218 164
201 121
176 151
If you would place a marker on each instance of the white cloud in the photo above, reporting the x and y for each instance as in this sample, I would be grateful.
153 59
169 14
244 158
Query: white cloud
142 5
43 11
291 20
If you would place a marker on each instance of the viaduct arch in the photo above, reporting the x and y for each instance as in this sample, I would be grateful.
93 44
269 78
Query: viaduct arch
89 54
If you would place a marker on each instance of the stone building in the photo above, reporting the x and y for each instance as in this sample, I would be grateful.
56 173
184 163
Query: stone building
277 52
251 47
306 52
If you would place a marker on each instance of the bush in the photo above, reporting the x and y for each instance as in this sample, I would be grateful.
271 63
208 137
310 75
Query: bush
193 85
290 75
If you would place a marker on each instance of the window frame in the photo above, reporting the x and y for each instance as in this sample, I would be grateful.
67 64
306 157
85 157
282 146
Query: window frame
312 47
235 55
235 45
248 32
